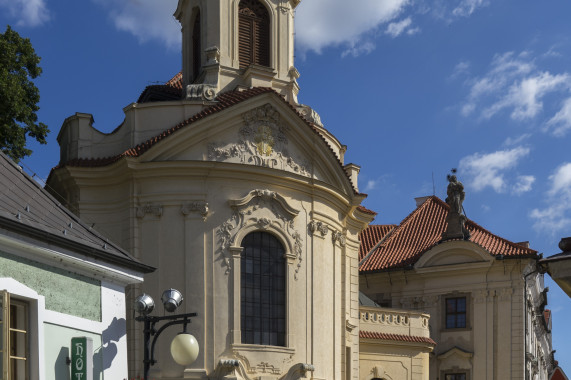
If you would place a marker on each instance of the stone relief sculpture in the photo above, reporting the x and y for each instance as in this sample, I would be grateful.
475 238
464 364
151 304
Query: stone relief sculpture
455 219
262 142
263 209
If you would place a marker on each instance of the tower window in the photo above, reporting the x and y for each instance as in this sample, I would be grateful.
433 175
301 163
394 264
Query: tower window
254 34
196 47
263 290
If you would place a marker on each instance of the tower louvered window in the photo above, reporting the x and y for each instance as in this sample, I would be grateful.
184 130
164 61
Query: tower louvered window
196 49
254 34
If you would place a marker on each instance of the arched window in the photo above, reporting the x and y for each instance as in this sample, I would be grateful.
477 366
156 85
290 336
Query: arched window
254 34
263 290
196 47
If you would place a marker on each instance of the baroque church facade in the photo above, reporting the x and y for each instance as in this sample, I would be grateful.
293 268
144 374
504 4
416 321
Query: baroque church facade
240 198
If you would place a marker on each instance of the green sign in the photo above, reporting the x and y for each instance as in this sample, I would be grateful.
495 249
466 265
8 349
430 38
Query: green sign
81 358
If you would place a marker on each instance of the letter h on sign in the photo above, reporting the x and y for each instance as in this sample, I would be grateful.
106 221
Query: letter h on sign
81 358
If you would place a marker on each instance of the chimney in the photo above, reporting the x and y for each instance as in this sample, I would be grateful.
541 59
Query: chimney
421 200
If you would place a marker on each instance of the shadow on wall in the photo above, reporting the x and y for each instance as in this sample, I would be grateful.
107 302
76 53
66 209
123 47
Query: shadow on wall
108 350
61 369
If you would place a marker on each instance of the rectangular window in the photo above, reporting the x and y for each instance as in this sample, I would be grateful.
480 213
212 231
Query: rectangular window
455 376
456 313
13 338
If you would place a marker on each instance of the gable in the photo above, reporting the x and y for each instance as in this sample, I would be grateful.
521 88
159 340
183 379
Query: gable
454 253
261 132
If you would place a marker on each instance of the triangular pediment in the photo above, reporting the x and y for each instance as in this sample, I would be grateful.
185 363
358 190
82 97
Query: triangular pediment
262 132
454 253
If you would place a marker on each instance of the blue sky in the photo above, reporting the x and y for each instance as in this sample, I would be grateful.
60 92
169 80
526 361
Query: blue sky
413 87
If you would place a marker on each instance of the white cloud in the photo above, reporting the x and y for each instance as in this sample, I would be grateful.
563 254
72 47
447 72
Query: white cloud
371 185
146 19
523 185
395 29
524 97
467 7
322 23
361 48
516 140
560 124
489 170
27 12
555 216
514 83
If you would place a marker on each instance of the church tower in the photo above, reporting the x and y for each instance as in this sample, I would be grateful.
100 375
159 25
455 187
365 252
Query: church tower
228 44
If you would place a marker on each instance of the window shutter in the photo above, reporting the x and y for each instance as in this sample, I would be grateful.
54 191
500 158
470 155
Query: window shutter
253 34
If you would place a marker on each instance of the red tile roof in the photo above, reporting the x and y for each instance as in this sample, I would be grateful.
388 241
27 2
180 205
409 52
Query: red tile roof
175 81
422 230
395 337
372 236
547 316
558 374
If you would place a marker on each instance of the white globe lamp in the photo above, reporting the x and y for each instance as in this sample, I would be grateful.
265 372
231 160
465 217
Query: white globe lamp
184 349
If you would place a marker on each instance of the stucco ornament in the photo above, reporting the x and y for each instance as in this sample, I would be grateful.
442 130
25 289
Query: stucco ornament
200 207
260 209
200 92
155 210
315 226
338 237
261 141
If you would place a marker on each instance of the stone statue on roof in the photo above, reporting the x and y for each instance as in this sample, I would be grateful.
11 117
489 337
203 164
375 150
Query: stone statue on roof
455 220
455 194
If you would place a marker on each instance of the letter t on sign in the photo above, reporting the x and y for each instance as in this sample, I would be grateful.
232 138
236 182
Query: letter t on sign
81 358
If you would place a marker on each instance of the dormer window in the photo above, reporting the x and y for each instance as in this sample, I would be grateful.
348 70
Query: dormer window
254 34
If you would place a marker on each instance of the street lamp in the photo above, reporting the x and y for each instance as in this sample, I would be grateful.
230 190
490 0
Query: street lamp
184 347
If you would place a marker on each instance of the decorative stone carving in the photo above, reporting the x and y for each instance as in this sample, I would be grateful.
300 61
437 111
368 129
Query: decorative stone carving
262 142
212 55
149 209
199 207
264 367
263 209
309 114
455 220
338 237
298 371
200 92
320 227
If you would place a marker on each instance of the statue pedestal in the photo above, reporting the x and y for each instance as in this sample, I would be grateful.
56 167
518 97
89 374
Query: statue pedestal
455 228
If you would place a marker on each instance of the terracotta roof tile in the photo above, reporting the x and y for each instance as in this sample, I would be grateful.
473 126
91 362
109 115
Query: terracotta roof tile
176 81
422 230
371 236
366 210
396 337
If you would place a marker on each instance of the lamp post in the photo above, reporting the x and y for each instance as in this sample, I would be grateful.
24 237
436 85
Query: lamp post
184 347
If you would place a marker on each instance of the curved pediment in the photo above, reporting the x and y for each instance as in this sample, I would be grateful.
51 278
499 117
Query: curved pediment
263 131
454 253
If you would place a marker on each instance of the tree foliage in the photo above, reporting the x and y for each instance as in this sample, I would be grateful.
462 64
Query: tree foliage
19 97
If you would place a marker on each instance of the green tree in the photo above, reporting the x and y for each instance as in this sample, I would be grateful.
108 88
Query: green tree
19 97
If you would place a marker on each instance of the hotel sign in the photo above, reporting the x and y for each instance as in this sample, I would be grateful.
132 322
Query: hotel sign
81 358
